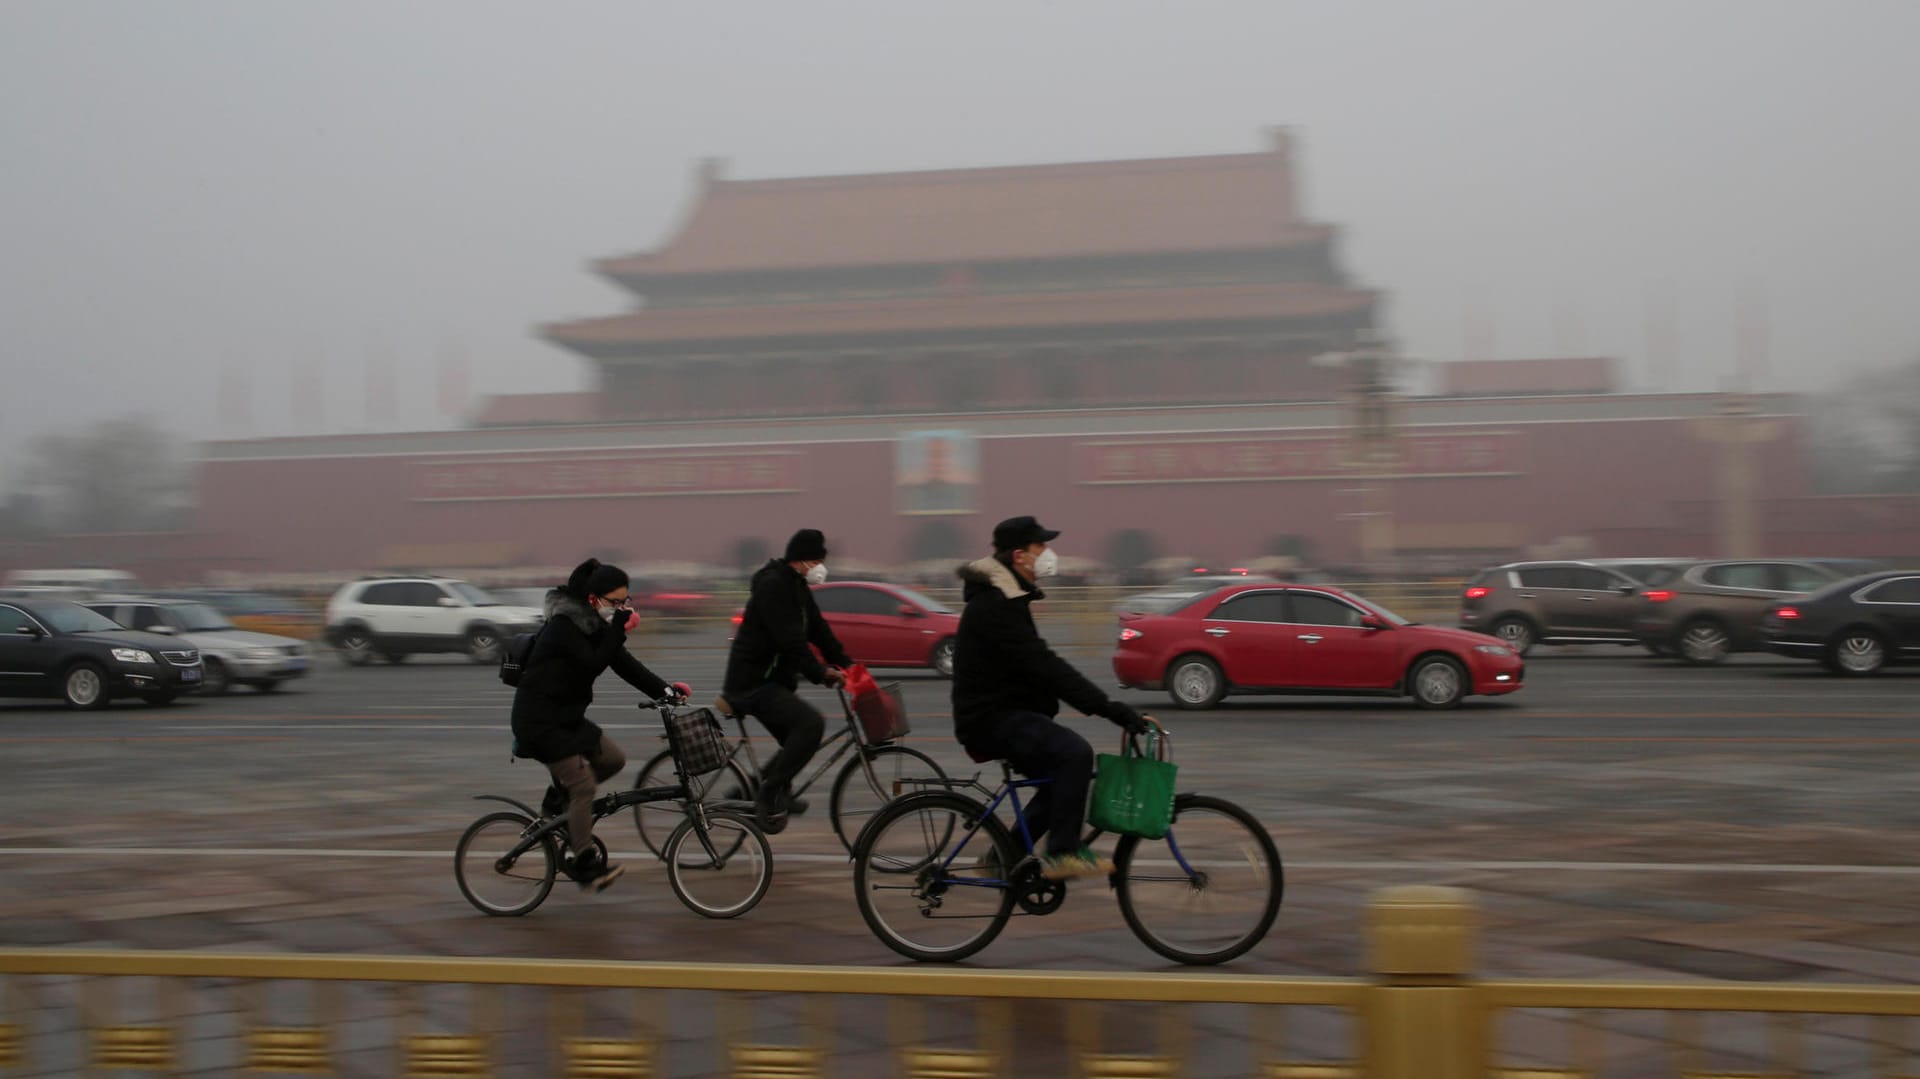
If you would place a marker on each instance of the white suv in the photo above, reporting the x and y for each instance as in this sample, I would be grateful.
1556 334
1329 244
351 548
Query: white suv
398 616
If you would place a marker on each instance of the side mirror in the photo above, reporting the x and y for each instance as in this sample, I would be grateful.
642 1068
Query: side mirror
29 631
908 610
1369 621
1627 589
449 601
164 631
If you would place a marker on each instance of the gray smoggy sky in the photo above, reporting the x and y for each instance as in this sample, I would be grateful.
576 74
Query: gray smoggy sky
253 185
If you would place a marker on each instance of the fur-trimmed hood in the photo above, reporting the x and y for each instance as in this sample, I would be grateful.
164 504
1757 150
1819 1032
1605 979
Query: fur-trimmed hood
990 572
560 603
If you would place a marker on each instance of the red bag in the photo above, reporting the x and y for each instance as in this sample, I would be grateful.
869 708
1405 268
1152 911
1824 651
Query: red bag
882 714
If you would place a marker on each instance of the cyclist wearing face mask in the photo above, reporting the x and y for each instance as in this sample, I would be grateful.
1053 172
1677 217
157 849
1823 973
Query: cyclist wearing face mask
585 634
770 654
1008 686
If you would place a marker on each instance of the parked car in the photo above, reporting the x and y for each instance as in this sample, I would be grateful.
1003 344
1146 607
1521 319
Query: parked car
1713 609
1856 626
1183 590
888 625
1270 638
395 617
63 650
259 612
229 654
1530 603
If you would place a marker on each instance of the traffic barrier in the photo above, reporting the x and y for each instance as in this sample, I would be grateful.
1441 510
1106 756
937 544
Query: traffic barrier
1421 1013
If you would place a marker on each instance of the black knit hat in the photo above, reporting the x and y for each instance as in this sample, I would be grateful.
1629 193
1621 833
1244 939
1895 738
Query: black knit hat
593 578
807 545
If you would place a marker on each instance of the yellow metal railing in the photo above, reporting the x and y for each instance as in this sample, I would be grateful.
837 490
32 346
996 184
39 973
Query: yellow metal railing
1421 1013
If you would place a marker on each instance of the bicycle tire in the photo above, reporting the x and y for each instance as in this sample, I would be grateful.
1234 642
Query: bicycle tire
684 865
485 857
846 790
877 872
651 819
1251 839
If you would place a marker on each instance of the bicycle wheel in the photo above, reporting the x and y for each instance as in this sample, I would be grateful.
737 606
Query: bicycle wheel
494 885
930 874
657 820
858 794
1206 892
723 873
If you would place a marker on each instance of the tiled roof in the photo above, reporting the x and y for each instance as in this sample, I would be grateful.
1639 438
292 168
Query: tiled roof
959 313
1224 202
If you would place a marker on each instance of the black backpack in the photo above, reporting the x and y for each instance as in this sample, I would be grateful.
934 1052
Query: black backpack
513 661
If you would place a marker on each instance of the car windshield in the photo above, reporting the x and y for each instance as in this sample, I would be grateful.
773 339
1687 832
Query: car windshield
73 618
478 597
1383 612
200 618
930 604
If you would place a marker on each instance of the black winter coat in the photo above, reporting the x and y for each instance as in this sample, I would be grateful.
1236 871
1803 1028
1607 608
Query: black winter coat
1002 665
780 621
574 648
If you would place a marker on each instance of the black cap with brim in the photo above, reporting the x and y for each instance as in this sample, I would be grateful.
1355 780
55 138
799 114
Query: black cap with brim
1017 532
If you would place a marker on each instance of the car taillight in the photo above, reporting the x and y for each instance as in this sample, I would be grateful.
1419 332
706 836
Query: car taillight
1477 592
739 618
1787 613
1658 595
1130 634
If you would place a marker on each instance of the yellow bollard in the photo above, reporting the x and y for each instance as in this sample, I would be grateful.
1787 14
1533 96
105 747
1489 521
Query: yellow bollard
1423 1018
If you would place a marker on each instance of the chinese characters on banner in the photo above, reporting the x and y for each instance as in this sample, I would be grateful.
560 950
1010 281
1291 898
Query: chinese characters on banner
609 476
1217 460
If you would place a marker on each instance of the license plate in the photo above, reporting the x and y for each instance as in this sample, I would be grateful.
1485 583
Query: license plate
190 674
296 665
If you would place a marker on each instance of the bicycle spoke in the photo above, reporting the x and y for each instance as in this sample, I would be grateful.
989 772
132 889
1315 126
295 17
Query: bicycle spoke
1223 902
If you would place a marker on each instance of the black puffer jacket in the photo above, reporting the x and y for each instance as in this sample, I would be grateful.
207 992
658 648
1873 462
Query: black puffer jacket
574 648
780 621
1002 665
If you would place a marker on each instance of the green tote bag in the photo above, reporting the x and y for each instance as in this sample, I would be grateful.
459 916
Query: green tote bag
1133 789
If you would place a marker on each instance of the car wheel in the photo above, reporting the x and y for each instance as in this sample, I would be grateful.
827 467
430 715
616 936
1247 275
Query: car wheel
356 646
1437 682
1704 642
484 646
1857 652
85 687
1517 633
216 681
942 660
1194 682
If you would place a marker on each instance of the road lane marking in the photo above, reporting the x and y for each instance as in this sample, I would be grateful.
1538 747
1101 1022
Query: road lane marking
1735 868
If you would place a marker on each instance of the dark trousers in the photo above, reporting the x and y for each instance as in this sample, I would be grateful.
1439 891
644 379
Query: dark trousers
1039 747
795 724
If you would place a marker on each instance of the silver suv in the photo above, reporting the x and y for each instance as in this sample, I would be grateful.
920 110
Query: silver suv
1529 603
230 654
396 617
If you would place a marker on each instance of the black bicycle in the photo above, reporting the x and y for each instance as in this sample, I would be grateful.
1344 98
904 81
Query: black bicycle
938 875
875 773
718 860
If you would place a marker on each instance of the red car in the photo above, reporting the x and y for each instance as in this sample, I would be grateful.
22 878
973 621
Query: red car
886 625
1271 638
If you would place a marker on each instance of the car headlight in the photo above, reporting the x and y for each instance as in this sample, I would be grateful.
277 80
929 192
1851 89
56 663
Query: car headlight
132 655
1493 649
261 653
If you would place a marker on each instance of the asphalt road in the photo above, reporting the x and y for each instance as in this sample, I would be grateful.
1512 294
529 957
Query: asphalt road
1619 816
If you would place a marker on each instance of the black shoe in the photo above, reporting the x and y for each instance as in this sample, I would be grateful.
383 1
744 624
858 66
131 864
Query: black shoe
796 806
593 873
771 813
555 802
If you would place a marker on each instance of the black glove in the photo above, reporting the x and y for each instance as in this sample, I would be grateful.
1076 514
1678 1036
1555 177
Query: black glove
1124 716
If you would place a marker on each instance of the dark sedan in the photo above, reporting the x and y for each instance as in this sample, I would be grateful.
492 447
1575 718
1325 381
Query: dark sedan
64 650
1856 626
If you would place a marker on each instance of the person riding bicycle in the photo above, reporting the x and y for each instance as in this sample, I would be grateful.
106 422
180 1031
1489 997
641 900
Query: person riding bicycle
1008 686
770 654
585 634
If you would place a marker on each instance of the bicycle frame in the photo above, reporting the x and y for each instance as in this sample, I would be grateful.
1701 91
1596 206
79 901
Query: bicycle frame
1009 791
846 739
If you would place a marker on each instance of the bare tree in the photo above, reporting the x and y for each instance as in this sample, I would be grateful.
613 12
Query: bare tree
1865 436
122 475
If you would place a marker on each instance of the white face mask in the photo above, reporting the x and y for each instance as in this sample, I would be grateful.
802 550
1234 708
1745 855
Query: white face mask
1046 565
818 574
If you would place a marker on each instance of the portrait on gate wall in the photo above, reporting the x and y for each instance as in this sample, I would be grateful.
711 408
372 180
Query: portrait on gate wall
937 472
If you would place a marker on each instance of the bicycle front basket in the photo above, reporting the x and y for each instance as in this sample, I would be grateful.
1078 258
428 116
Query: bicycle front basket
695 738
882 712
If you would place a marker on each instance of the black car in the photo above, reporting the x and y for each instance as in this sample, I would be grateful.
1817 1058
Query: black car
64 650
1855 626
